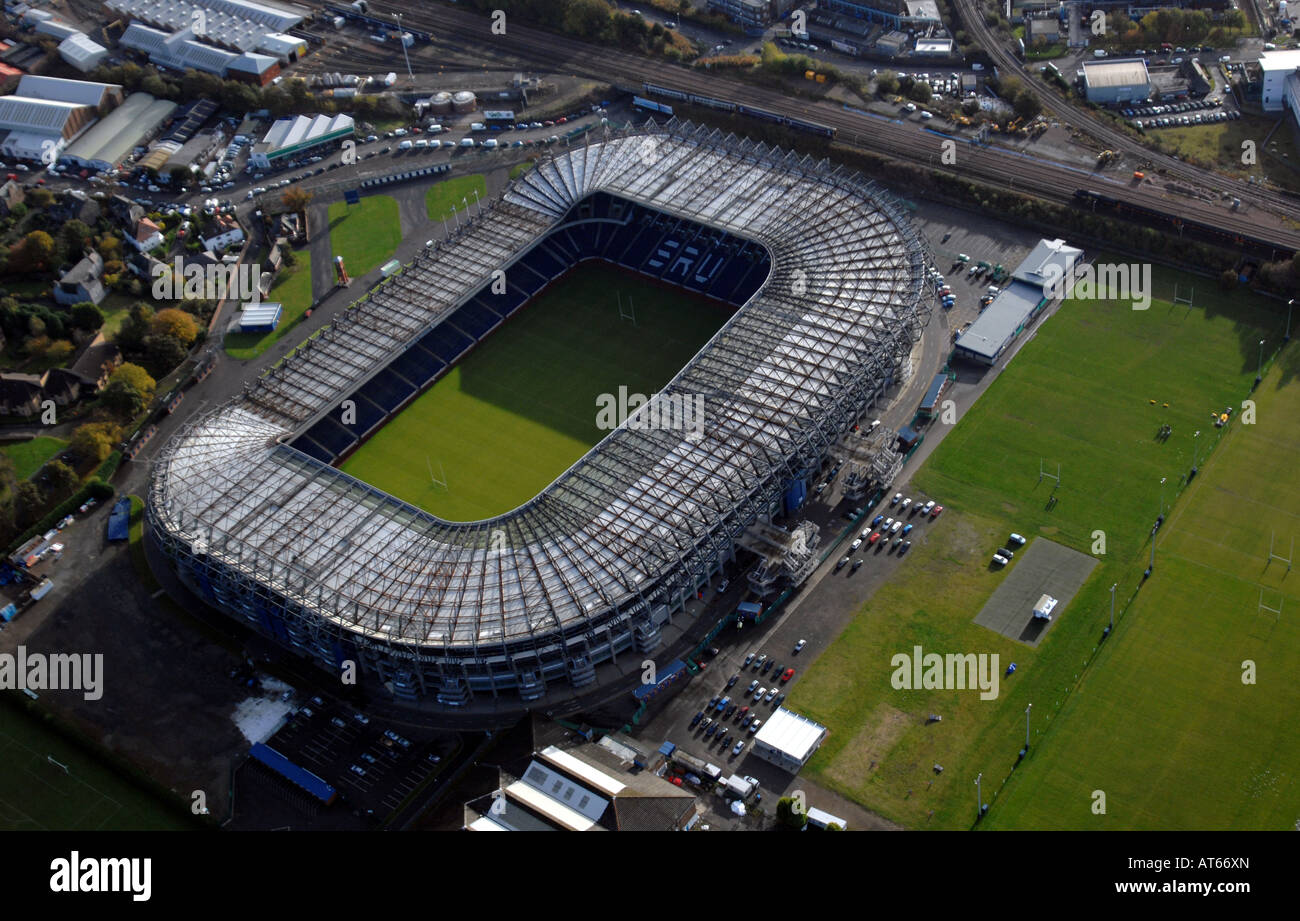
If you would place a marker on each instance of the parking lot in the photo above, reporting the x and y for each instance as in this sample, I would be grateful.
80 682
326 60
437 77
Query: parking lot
371 764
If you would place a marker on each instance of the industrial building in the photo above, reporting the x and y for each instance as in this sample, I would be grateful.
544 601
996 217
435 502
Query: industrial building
240 25
1111 82
594 573
77 50
291 137
788 740
1281 81
181 51
45 114
1016 304
106 144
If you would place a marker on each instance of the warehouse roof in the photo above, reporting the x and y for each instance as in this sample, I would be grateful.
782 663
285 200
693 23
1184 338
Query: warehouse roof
1270 61
234 23
78 48
82 92
45 116
113 137
1099 74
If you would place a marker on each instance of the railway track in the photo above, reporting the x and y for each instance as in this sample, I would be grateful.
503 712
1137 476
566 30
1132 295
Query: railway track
905 141
1084 121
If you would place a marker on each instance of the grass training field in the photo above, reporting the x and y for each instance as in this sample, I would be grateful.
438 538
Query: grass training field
1160 721
292 289
444 198
521 408
30 456
38 795
366 234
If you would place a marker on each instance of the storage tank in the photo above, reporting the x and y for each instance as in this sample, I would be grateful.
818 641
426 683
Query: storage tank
464 101
440 104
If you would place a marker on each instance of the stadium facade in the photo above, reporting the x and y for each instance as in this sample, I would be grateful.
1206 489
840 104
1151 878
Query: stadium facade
522 609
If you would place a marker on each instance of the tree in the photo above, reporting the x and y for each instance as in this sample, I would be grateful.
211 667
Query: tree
180 176
28 503
1227 279
787 813
178 324
130 337
887 83
59 351
94 441
588 18
129 390
74 236
921 92
40 198
36 252
61 478
162 353
297 200
1027 105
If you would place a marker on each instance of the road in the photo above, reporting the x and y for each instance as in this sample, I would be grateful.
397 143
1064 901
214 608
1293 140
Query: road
901 139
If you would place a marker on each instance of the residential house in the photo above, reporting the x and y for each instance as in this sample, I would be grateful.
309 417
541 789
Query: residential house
100 359
148 236
20 394
82 281
224 231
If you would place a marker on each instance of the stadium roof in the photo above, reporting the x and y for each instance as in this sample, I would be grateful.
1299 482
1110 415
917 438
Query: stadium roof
612 533
1100 74
788 732
111 139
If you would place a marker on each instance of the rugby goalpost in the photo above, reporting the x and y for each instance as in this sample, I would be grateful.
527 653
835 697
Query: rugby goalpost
626 312
441 479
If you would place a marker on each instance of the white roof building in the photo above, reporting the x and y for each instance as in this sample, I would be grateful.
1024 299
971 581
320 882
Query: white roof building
80 52
82 92
788 740
106 144
237 24
1280 68
291 136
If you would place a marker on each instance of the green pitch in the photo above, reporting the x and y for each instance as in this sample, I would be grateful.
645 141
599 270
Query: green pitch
366 234
1160 718
517 411
38 795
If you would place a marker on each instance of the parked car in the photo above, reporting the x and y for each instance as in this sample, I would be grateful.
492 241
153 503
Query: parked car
738 748
749 658
844 559
999 560
1017 540
752 685
856 564
696 719
758 694
907 545
936 511
799 645
733 679
787 674
754 726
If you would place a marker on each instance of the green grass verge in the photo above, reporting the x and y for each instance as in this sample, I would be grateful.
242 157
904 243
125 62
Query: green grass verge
1078 394
292 289
521 408
1220 144
444 198
30 456
520 168
367 234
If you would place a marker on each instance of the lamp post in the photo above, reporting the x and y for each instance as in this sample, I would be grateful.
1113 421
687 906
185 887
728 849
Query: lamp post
1112 606
402 42
979 795
1289 304
1196 440
1027 709
1259 374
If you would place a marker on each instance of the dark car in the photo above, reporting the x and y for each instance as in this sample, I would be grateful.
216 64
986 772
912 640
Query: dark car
733 679
907 545
713 702
708 733
731 711
696 718
767 666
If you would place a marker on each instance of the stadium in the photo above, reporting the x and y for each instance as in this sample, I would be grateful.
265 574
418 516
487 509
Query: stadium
574 588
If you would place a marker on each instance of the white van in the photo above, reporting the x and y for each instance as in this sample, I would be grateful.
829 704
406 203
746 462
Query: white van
405 145
466 142
434 128
490 143
478 126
